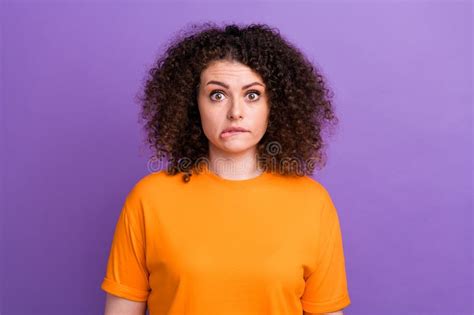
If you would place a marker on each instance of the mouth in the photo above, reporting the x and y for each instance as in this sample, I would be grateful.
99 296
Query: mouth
233 132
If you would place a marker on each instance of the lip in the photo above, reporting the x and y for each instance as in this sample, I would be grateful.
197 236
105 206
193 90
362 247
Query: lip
234 129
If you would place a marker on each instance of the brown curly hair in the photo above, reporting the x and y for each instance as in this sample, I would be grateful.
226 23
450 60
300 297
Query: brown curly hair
299 100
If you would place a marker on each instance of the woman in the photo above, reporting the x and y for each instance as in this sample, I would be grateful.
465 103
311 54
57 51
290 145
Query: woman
239 113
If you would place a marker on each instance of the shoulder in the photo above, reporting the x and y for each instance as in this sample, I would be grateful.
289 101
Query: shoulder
310 185
315 184
305 191
319 198
154 185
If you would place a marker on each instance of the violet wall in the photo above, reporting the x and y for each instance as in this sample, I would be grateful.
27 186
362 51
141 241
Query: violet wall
399 169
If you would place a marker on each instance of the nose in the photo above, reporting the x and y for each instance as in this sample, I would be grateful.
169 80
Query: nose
235 111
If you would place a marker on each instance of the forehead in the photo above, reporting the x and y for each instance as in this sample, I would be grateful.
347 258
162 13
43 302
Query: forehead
229 72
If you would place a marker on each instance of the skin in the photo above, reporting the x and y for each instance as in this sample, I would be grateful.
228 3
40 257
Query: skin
231 158
334 313
115 305
233 104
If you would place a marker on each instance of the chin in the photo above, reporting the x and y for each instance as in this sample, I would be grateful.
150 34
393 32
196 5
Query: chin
236 147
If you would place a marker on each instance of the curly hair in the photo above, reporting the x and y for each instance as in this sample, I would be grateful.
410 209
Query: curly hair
299 99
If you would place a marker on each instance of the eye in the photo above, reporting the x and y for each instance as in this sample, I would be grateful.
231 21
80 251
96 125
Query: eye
217 92
254 98
220 94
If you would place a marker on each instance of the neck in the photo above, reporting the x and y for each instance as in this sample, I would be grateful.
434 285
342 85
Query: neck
241 165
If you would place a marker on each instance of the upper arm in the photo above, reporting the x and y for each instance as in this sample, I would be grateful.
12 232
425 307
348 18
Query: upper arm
127 274
326 286
115 305
333 313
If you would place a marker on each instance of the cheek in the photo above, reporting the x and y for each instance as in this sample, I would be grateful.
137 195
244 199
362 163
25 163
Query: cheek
263 119
209 121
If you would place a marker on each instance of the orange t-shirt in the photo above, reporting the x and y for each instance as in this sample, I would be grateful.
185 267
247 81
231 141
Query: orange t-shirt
266 245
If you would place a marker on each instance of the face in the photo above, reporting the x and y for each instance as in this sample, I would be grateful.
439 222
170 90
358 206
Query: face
232 95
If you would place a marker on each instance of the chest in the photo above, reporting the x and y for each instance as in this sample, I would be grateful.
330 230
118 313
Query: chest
234 243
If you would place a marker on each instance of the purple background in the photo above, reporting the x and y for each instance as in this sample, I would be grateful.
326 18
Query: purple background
399 169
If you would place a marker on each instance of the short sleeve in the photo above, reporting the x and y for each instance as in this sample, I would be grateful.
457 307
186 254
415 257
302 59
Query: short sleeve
326 286
126 274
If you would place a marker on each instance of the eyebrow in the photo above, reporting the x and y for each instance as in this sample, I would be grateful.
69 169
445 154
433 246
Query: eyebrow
226 86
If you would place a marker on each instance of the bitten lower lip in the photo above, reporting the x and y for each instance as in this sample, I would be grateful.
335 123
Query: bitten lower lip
228 134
